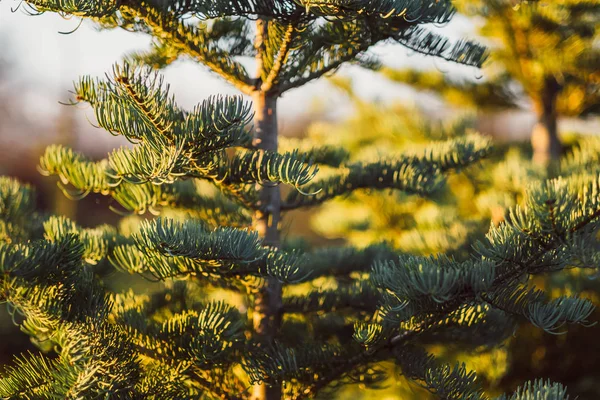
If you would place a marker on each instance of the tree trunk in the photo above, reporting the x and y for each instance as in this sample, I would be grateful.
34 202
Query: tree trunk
266 312
544 137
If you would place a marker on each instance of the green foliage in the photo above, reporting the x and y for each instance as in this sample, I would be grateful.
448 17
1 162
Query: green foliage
169 145
529 225
16 207
542 390
303 40
413 174
443 221
167 249
205 345
344 310
538 48
436 377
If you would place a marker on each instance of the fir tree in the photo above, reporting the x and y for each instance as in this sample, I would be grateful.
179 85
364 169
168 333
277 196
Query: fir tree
544 53
179 341
453 222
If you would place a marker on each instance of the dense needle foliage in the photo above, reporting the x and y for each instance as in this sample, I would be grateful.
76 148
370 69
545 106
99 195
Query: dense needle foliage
450 222
228 315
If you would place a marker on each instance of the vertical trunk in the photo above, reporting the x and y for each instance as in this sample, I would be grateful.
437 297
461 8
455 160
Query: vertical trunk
267 301
544 137
266 310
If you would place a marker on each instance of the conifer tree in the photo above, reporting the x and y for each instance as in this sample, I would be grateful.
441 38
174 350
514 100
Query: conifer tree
179 341
453 222
544 53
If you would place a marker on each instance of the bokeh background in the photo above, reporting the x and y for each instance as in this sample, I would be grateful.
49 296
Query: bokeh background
39 61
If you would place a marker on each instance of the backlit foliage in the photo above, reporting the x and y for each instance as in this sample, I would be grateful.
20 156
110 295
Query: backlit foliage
178 341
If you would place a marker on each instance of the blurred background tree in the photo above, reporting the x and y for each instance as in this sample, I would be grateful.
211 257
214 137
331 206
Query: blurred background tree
24 134
452 221
545 55
9 337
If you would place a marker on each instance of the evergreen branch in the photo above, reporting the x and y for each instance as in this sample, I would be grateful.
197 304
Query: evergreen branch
18 220
157 267
561 310
331 61
96 242
16 199
326 154
554 212
278 363
87 177
31 376
538 389
440 279
204 9
330 45
427 43
147 104
74 168
341 261
414 173
81 8
134 102
43 262
443 291
209 337
270 167
193 240
280 58
169 249
232 36
404 174
143 164
197 42
531 304
48 284
323 48
456 153
104 358
445 381
431 12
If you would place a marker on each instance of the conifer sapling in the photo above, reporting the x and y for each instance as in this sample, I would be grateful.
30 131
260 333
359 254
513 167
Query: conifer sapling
178 341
